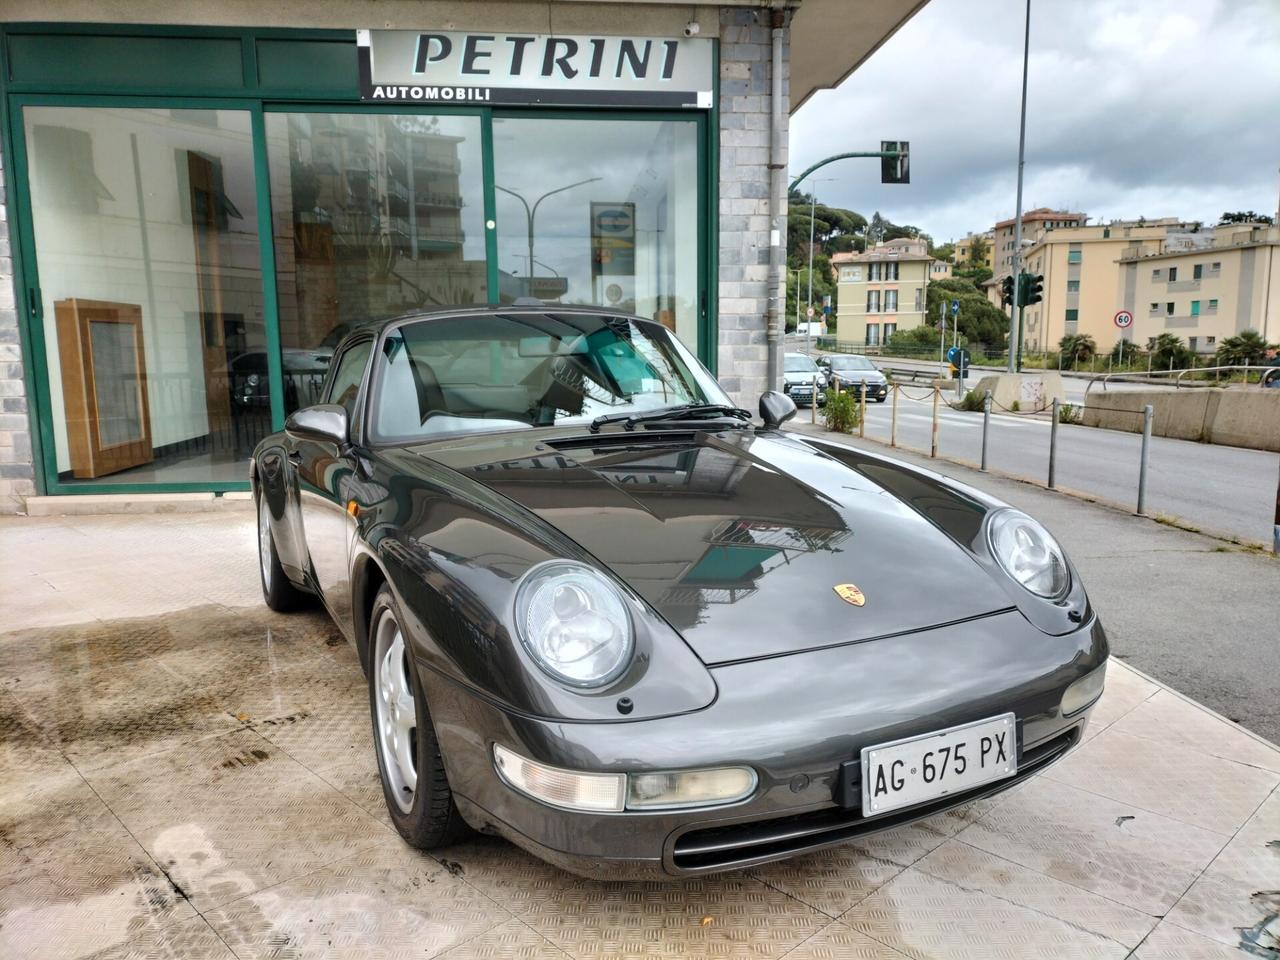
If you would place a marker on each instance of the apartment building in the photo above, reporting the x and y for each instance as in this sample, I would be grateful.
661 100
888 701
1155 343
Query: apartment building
964 249
1204 288
1081 269
1035 224
881 290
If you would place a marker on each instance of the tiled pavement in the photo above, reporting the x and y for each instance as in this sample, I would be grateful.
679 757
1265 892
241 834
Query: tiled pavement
183 774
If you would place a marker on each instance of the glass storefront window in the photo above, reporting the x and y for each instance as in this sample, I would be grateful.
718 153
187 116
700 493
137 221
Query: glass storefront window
600 212
373 215
146 242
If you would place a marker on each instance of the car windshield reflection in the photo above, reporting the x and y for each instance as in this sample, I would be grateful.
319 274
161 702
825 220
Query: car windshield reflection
519 370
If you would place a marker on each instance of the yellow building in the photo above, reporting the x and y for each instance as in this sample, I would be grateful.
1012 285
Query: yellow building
1080 266
964 250
882 290
1203 288
1035 224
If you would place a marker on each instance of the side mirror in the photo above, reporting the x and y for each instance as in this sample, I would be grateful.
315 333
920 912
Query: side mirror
776 408
323 423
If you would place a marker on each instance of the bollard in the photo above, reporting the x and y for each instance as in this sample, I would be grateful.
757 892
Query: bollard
893 418
933 439
862 411
1147 413
986 425
1053 443
813 407
1148 364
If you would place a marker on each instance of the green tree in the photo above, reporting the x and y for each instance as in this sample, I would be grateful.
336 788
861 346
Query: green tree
976 275
1243 216
944 252
1246 347
980 321
1169 352
978 252
1077 348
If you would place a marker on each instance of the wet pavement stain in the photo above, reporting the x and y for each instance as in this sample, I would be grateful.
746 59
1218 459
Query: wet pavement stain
453 867
246 759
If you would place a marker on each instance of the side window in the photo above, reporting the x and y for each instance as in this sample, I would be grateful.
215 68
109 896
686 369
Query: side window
345 386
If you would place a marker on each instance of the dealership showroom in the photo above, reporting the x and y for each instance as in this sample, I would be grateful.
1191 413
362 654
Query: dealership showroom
286 673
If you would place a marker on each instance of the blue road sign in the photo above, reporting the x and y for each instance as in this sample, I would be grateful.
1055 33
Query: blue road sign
955 307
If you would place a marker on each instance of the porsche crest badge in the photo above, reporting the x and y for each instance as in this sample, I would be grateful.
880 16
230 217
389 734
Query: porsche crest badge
849 593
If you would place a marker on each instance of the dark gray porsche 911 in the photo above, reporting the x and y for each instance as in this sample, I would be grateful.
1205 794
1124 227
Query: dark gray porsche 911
605 614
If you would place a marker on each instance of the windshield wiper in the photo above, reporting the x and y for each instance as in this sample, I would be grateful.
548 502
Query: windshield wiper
686 411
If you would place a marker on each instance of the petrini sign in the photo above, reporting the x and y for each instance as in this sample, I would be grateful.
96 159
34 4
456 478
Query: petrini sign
409 66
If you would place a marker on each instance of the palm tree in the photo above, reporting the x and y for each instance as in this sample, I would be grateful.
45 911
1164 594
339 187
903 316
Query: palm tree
1077 347
1246 347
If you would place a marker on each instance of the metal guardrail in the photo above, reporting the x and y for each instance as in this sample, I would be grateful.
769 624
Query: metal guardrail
1266 378
1144 457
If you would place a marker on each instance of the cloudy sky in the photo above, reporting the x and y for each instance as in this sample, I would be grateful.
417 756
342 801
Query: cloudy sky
1134 108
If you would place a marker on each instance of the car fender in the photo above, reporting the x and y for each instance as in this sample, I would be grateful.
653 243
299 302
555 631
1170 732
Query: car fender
453 553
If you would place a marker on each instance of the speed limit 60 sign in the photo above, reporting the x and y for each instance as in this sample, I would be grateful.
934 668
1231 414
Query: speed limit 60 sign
1124 319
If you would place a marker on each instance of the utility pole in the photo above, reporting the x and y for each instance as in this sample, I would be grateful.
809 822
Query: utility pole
1015 327
808 314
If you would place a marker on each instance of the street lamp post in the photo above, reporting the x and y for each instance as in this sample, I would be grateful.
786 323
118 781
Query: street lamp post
531 214
1015 315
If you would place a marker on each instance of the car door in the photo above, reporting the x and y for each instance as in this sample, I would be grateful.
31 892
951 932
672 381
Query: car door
324 476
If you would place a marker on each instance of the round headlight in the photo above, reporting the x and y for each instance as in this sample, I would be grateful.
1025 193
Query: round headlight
575 624
1028 553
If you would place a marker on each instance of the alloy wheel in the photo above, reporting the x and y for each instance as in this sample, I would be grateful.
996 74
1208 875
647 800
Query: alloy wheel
264 540
397 713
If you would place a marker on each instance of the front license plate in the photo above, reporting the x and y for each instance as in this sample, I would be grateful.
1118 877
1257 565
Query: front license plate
938 764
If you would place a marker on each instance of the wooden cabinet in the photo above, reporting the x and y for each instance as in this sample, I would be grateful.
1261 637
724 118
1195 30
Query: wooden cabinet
104 386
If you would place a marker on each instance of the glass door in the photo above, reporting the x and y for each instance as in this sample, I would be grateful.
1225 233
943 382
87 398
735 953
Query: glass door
150 292
601 211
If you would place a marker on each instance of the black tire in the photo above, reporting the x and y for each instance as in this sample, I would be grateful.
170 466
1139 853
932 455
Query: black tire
278 591
432 819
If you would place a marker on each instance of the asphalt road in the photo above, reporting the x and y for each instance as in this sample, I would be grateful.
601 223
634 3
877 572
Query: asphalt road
1226 490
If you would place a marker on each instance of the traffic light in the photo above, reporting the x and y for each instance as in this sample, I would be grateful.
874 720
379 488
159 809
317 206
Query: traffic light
1031 290
895 169
1006 291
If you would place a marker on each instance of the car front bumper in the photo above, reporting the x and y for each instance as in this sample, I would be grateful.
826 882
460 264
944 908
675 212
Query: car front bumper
795 719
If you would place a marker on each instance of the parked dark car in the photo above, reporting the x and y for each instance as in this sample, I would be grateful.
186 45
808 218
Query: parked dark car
799 375
848 371
304 374
573 571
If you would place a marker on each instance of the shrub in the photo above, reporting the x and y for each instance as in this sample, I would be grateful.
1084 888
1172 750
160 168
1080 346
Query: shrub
841 412
1068 413
972 402
1015 407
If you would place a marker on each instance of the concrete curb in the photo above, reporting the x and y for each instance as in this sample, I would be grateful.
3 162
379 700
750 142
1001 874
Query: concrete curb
136 503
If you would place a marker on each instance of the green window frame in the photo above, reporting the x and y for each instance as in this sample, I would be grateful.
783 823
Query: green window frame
1195 308
258 70
1074 256
1073 315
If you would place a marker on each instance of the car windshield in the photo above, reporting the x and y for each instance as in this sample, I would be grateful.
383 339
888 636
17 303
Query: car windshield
799 363
520 370
851 363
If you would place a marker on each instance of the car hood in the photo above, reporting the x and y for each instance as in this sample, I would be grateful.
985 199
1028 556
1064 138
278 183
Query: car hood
738 539
857 376
792 376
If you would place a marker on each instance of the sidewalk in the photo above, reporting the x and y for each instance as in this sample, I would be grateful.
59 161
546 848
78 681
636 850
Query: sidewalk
184 774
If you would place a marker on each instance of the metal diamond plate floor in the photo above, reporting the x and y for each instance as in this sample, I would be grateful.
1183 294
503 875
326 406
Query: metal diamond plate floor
184 774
